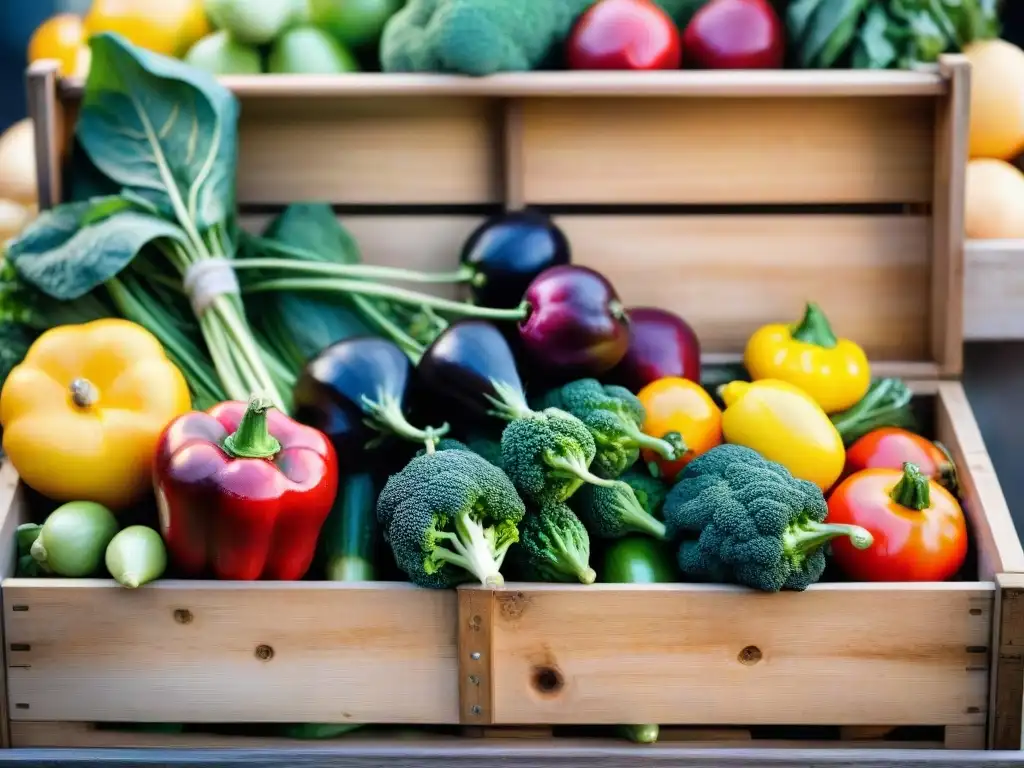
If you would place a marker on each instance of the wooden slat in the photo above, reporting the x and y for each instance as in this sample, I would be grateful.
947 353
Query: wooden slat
950 178
198 651
996 537
362 150
701 151
1007 679
567 85
476 659
837 654
727 275
994 290
13 512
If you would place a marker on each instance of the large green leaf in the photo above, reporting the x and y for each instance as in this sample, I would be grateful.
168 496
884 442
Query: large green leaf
161 130
69 250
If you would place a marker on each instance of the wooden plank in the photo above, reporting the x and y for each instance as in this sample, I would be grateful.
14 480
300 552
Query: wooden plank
837 654
992 527
1007 686
950 179
701 151
517 753
994 290
369 151
476 659
47 115
747 84
193 651
965 737
13 512
727 275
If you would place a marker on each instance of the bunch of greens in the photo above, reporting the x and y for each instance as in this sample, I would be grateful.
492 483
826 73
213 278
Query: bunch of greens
885 34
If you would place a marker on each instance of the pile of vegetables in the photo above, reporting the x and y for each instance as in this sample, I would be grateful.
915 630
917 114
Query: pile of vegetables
268 407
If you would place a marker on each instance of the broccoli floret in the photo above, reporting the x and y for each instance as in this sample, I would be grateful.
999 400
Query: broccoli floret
446 444
554 546
757 525
614 416
650 491
450 516
612 511
547 455
476 37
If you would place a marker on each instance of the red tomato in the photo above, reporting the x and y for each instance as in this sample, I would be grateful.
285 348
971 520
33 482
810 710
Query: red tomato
919 529
673 404
624 34
892 447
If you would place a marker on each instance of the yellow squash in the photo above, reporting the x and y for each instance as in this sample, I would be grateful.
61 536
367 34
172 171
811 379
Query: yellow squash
835 372
782 423
82 412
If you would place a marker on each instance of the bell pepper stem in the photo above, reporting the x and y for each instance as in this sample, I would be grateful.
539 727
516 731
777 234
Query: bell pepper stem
83 393
803 538
252 439
814 328
913 490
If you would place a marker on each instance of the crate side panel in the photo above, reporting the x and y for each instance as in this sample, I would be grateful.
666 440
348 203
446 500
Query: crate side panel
728 151
728 275
370 151
833 655
230 652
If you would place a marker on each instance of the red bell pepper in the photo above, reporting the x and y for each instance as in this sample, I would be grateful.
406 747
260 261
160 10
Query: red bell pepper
243 492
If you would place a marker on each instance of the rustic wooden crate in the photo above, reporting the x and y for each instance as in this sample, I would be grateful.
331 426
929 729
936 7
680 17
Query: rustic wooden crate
994 290
728 197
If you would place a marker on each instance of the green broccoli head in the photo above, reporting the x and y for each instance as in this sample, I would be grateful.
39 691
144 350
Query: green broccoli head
446 444
475 37
614 416
555 546
757 525
612 511
449 517
650 491
548 456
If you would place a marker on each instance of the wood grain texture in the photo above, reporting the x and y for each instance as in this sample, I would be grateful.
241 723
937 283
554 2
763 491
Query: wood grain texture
837 654
727 275
476 657
739 151
950 179
13 512
47 112
194 651
1006 725
992 527
357 150
994 290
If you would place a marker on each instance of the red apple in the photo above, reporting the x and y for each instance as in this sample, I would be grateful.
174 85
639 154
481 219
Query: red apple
735 34
624 34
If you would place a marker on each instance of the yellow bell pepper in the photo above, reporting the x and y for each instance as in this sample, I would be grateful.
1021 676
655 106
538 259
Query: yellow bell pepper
784 424
834 371
82 412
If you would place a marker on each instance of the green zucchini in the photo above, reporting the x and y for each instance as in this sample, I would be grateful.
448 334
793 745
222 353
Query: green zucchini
349 536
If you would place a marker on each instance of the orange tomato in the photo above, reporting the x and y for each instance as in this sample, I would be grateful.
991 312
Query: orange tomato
168 27
682 406
918 527
61 37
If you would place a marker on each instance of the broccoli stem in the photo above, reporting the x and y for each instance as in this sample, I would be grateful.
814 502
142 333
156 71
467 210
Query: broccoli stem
574 467
805 536
635 516
670 447
814 328
913 491
385 415
472 550
571 560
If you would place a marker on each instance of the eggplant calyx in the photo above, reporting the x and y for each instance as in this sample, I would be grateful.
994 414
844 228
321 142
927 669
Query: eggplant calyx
510 403
385 416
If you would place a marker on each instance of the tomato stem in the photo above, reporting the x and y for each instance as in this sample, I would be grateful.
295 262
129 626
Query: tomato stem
814 328
913 491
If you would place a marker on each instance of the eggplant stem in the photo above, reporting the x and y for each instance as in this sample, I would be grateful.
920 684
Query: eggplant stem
510 403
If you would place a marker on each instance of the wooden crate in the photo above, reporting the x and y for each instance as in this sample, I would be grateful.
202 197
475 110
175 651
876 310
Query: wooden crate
994 290
728 197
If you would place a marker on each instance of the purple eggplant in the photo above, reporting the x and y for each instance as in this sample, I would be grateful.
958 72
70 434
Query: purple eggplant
470 369
508 251
355 392
660 344
575 324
